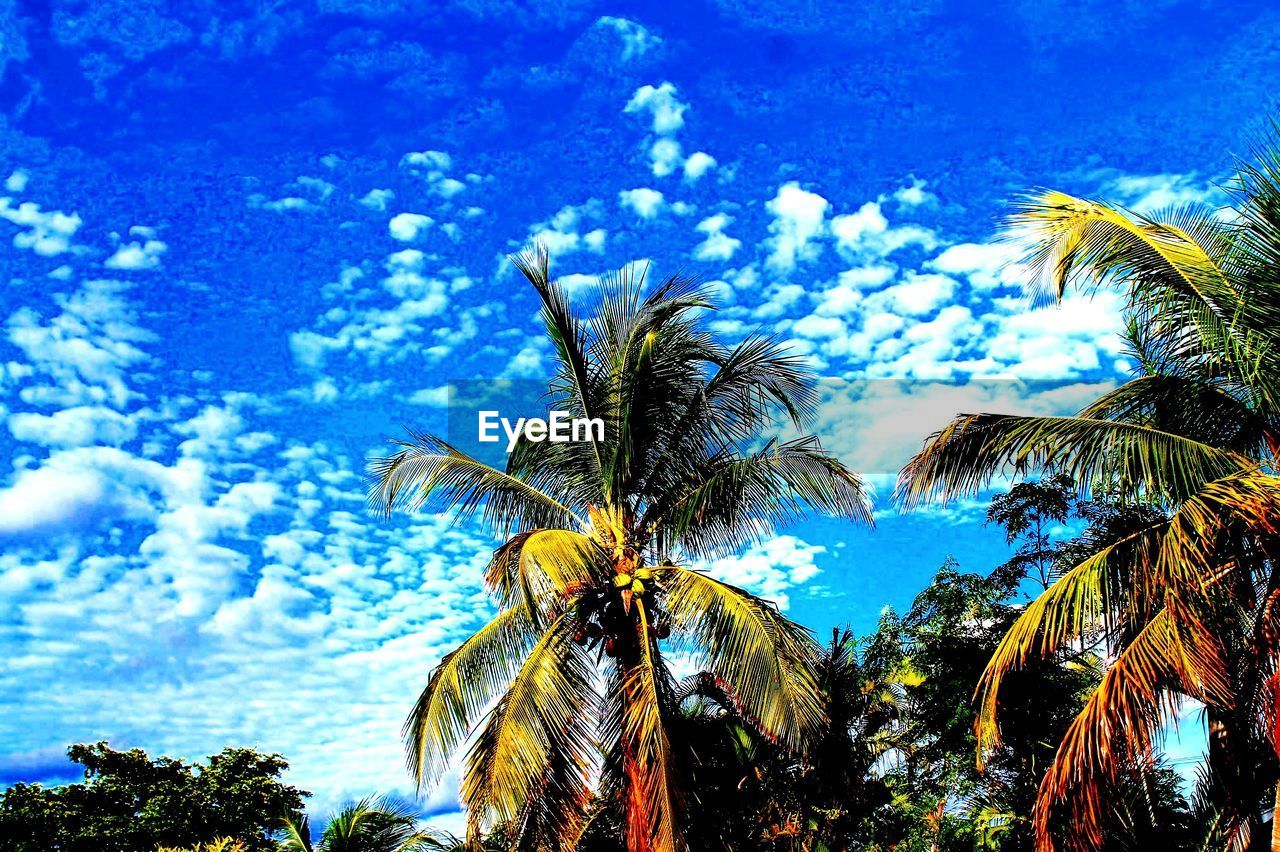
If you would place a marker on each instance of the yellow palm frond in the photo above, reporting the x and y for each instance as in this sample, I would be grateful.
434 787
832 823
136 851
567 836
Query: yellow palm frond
1072 237
541 723
543 564
460 689
766 660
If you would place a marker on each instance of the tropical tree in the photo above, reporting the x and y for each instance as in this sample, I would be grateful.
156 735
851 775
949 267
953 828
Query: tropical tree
601 540
129 800
1028 512
1183 607
865 689
369 825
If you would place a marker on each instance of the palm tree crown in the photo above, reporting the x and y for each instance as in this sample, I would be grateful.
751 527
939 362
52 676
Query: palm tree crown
599 536
369 825
1184 606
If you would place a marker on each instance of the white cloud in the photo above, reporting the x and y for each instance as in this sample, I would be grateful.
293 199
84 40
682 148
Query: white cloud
406 227
851 288
448 187
282 205
17 180
986 265
867 233
662 104
914 195
377 199
698 164
78 426
85 352
819 327
322 188
664 156
644 202
47 234
562 233
398 320
918 294
799 217
876 426
137 255
78 488
771 570
437 161
636 40
437 397
718 245
1155 193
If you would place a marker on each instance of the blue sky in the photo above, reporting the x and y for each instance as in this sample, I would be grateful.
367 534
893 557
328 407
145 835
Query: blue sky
242 243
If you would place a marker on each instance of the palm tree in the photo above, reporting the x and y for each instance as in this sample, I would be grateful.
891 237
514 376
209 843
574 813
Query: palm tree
600 540
865 688
369 825
1185 606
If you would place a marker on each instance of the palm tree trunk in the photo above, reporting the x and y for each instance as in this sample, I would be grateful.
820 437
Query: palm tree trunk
1275 821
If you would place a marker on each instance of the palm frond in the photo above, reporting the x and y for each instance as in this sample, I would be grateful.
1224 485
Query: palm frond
429 469
1117 727
734 500
567 336
538 733
371 824
1178 270
461 687
764 659
1132 461
543 565
1193 407
297 833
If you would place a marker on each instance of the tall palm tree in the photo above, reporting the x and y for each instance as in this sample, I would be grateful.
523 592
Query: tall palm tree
1186 605
369 825
600 538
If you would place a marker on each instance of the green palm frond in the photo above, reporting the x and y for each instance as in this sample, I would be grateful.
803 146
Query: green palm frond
734 500
1194 408
764 659
1132 461
297 834
428 469
1179 272
577 380
368 825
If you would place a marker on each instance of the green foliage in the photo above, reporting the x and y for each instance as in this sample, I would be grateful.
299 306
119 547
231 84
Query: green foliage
599 540
369 825
129 802
1185 607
